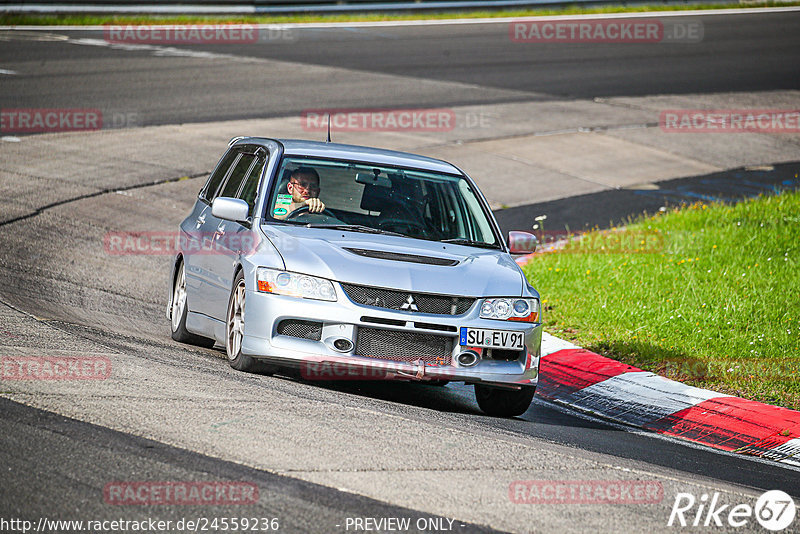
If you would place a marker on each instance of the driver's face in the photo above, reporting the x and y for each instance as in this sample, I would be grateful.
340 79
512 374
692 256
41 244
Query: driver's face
303 187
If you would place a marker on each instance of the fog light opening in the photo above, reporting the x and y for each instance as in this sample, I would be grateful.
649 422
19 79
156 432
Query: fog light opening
467 358
343 345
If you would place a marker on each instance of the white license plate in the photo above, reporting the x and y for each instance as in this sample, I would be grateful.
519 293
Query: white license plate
491 339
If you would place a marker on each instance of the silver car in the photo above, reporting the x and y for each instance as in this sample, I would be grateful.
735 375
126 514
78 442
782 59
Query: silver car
347 262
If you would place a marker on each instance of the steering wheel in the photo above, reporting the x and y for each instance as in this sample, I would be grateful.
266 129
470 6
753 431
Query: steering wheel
305 210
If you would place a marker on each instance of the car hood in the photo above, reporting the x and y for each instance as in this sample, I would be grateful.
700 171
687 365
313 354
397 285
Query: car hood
323 252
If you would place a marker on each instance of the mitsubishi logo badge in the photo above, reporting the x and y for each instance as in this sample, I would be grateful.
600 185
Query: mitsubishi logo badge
409 304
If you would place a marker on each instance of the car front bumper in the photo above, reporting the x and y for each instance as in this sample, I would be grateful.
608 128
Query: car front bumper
317 357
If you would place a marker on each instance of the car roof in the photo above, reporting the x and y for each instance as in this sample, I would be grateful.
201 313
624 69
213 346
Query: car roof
321 149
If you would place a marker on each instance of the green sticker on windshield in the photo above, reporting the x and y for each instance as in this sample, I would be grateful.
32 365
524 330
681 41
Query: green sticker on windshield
279 211
283 199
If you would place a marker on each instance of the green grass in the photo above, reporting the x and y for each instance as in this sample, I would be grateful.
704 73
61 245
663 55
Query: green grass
708 294
89 19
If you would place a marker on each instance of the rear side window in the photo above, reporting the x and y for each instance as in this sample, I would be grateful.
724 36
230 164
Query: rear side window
237 175
210 190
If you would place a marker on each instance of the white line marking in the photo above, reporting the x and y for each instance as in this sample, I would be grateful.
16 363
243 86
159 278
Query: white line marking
551 344
639 397
792 449
8 71
160 50
447 22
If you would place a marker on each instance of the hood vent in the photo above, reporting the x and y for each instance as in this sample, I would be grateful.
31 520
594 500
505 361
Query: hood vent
397 256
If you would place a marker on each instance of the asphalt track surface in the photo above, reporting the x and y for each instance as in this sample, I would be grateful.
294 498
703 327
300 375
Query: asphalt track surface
57 466
738 54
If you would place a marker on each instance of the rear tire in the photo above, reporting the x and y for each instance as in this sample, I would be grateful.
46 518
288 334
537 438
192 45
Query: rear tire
179 310
234 328
499 402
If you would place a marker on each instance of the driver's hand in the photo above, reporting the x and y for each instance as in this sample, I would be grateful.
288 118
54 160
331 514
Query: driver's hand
315 205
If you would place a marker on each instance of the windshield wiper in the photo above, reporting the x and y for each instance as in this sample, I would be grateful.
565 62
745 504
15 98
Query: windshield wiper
470 243
356 228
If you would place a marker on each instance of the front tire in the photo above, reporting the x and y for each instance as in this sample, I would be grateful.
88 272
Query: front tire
179 310
234 328
500 402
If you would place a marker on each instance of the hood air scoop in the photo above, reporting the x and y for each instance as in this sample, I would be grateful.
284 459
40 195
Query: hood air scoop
397 256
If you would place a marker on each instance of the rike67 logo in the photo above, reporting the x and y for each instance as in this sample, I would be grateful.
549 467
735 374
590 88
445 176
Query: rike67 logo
774 510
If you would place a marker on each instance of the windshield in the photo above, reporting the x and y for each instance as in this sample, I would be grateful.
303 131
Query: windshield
379 199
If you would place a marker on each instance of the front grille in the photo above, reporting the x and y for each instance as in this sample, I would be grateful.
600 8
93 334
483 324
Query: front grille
404 346
399 300
442 327
303 329
382 320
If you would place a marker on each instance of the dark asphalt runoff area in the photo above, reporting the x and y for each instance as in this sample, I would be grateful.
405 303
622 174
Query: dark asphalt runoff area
618 206
60 293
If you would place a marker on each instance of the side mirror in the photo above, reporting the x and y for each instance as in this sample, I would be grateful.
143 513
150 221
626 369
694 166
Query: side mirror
521 242
230 209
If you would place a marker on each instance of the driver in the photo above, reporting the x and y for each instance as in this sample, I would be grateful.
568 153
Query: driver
303 187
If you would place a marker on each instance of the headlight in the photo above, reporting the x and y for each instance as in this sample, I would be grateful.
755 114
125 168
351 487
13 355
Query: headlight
294 284
511 309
